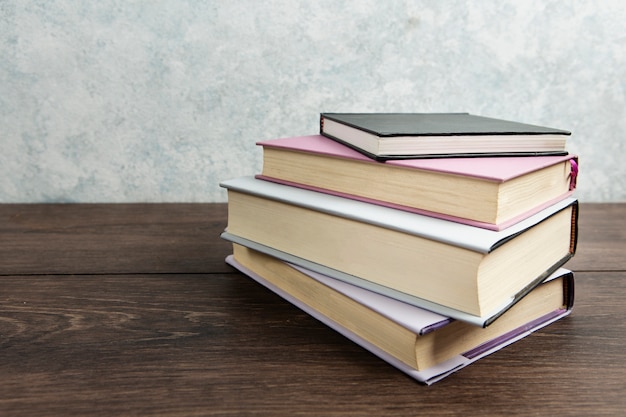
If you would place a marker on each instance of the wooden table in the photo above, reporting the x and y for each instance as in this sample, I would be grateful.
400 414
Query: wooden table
130 310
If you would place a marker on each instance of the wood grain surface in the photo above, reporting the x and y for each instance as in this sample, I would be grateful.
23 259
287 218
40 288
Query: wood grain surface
130 310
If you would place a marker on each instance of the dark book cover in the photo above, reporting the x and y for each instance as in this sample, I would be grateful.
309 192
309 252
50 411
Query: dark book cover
415 125
436 124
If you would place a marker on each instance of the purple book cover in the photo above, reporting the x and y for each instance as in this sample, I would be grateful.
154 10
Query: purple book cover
418 320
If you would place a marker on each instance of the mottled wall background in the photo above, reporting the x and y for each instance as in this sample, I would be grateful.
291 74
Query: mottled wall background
157 101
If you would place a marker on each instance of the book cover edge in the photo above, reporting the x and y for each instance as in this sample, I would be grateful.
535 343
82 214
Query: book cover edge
445 231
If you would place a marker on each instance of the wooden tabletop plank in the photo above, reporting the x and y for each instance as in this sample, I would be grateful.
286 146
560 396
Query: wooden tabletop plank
602 238
112 238
220 344
130 309
184 238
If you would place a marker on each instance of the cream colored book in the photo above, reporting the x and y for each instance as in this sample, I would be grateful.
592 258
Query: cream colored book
465 272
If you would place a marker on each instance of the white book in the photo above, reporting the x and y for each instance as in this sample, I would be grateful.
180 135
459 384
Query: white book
457 270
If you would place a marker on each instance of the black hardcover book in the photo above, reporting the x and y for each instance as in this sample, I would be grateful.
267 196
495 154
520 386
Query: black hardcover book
383 136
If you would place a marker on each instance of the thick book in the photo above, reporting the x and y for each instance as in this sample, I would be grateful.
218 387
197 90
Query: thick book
492 193
384 136
458 270
424 345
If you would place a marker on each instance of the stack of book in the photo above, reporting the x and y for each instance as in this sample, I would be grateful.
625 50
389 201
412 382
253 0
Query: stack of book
431 240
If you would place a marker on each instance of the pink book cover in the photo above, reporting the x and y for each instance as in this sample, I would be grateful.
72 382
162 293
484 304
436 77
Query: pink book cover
497 169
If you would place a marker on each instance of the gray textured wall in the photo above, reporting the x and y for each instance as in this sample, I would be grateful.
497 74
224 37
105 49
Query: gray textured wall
128 100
